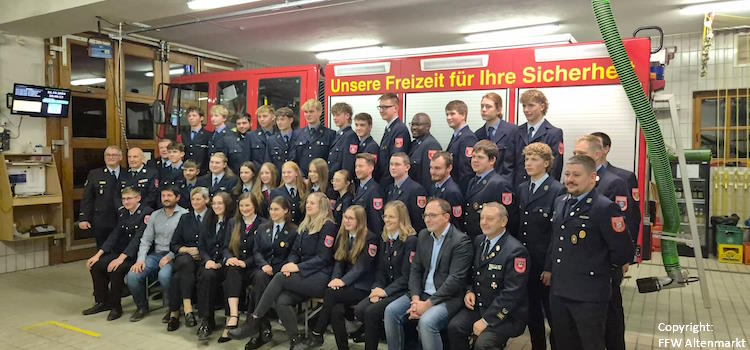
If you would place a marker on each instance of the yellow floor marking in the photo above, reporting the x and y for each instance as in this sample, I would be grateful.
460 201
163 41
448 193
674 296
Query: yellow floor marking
63 326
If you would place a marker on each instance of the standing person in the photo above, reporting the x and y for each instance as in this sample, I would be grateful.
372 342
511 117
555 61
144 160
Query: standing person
304 276
101 197
368 194
345 144
190 176
496 304
162 162
196 139
423 147
502 133
239 258
343 190
317 176
245 181
444 187
280 146
397 247
487 186
538 129
171 175
462 142
157 262
184 246
144 179
220 177
395 137
113 260
353 275
211 241
437 280
314 140
589 242
244 136
268 179
363 128
223 140
293 189
406 190
266 129
536 204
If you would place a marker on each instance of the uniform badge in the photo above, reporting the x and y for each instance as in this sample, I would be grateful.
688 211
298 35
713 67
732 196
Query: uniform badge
546 187
333 203
431 153
476 206
338 208
377 203
457 211
421 201
507 198
375 156
395 253
469 151
574 239
519 264
618 224
411 257
622 202
560 148
156 182
399 142
372 250
588 200
582 234
353 149
494 267
282 244
328 241
492 255
493 285
497 248
636 194
500 316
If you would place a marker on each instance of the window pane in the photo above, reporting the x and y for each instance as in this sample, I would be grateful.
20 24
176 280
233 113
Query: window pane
84 70
89 117
738 111
139 75
85 159
709 141
233 96
139 121
711 115
738 143
281 92
183 97
177 70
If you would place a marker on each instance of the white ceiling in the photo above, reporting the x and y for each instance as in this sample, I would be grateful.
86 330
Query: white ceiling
292 37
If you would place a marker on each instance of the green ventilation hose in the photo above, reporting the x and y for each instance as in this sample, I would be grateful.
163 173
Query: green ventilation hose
657 152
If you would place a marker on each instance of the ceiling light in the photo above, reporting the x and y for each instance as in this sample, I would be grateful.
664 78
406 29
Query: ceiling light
87 81
530 31
350 54
213 4
720 6
175 71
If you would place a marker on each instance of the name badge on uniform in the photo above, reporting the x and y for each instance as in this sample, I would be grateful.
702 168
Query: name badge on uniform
495 267
142 181
102 182
584 217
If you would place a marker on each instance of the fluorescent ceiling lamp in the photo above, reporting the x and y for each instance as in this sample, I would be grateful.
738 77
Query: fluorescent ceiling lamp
530 31
348 70
213 4
353 53
87 81
569 53
717 6
174 71
460 62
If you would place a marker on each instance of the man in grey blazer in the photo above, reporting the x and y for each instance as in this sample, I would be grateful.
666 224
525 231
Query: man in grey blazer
437 281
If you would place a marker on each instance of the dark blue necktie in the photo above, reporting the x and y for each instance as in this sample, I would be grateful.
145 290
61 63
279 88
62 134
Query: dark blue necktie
491 132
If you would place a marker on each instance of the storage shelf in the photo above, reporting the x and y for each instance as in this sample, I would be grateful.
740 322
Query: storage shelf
695 201
37 200
53 236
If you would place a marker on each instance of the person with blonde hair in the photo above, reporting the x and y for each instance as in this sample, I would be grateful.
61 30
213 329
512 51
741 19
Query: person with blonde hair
292 188
224 140
267 180
305 275
499 131
537 129
220 177
317 176
314 140
343 192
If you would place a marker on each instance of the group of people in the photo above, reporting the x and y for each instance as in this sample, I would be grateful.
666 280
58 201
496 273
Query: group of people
465 247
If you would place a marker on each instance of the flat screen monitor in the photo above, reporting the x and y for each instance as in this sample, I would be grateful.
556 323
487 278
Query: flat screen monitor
40 101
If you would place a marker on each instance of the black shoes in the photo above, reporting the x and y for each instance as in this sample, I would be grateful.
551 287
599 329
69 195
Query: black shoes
265 330
313 341
190 319
255 342
204 330
138 315
294 341
97 308
114 314
359 335
173 324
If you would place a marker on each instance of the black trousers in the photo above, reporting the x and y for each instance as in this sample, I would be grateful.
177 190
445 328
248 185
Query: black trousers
614 333
235 281
100 235
283 293
183 280
461 327
209 282
335 302
372 316
108 285
260 281
578 324
538 308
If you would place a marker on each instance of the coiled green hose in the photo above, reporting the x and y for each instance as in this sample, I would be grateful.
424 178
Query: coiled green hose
657 152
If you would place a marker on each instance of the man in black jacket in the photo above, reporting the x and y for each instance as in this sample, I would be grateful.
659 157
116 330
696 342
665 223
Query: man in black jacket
502 133
423 147
144 179
445 187
406 190
538 129
196 139
345 144
437 281
462 142
315 139
395 137
369 194
101 197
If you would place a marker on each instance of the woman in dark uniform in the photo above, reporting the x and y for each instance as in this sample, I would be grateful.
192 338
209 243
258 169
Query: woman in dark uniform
306 273
239 259
398 244
343 191
317 176
353 275
211 246
246 180
267 180
292 188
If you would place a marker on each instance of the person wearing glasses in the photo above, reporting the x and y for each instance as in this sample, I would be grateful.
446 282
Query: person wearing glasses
462 142
395 139
437 280
345 144
314 140
502 133
101 197
423 147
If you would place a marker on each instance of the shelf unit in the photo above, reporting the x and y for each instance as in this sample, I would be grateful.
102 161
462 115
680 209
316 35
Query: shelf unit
700 192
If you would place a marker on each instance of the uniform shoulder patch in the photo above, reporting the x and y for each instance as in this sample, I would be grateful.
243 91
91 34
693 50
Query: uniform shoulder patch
622 202
353 149
421 201
399 142
560 148
507 198
411 256
328 242
618 224
377 203
372 249
469 151
519 264
636 195
431 153
457 211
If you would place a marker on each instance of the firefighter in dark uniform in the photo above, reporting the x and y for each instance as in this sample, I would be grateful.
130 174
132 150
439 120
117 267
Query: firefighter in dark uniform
406 190
395 137
280 146
314 140
423 147
224 140
346 144
293 192
219 178
444 187
242 130
112 262
142 178
461 145
342 186
172 174
101 197
363 127
536 199
189 180
368 193
496 303
196 139
538 129
487 186
161 163
589 242
502 133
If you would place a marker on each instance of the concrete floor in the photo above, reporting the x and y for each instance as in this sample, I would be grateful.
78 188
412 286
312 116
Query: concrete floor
40 306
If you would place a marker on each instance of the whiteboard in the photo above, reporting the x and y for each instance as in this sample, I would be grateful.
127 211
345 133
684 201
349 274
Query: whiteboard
361 104
581 110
